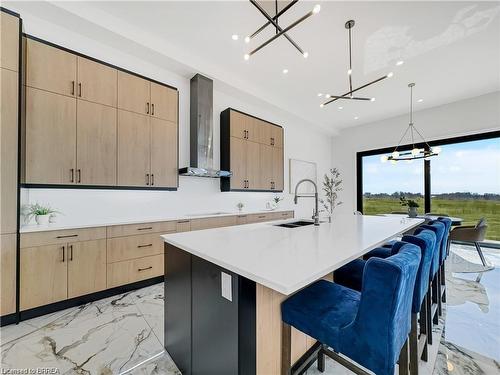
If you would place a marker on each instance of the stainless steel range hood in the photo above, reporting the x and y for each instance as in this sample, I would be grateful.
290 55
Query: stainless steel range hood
201 131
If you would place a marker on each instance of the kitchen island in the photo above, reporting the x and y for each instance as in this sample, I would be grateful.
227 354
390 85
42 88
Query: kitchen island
225 287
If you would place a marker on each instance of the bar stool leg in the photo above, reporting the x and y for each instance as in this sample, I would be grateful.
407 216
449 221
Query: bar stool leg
286 349
423 327
403 359
414 345
428 302
321 361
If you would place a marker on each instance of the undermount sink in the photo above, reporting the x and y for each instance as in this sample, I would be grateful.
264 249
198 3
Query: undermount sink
295 224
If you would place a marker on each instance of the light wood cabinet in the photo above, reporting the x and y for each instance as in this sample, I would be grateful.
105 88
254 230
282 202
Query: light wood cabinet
133 270
164 163
164 102
61 237
9 41
256 162
133 93
134 149
8 274
131 247
96 144
8 149
86 267
51 69
50 138
39 287
96 82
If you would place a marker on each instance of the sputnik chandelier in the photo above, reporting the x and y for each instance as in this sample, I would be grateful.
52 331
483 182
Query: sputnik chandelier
349 94
416 152
274 22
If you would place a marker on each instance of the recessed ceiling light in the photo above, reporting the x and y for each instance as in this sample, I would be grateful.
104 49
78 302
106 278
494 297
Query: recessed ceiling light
420 100
285 71
246 56
320 94
234 37
372 99
400 62
341 107
356 117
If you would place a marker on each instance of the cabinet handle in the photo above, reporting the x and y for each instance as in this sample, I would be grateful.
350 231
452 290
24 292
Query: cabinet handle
144 269
79 175
72 174
145 228
152 179
261 217
148 245
72 87
68 236
147 108
183 221
147 178
272 141
80 89
70 247
248 134
152 108
63 248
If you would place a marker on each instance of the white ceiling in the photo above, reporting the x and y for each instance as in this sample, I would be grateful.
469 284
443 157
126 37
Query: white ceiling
450 49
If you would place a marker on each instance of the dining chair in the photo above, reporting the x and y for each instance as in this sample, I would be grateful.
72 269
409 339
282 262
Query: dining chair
473 234
370 327
350 276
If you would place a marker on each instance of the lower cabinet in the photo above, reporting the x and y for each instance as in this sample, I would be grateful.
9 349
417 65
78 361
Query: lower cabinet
56 272
8 274
129 271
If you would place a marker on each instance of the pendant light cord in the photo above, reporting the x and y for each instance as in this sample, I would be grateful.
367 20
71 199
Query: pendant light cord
350 63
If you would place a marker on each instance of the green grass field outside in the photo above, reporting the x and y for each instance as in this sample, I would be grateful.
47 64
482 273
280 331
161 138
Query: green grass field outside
469 210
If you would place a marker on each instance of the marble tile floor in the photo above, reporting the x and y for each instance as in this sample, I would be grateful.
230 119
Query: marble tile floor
124 334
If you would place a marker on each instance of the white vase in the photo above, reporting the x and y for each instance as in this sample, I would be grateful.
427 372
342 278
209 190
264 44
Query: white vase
42 219
412 211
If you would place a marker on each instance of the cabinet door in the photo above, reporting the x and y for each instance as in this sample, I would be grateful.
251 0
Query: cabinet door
163 102
277 168
238 124
96 144
266 167
252 126
86 267
44 275
164 169
277 136
97 82
49 68
9 41
238 162
252 162
133 93
7 274
265 133
134 154
50 137
8 150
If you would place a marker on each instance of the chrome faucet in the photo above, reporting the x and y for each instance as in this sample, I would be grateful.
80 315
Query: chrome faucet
296 198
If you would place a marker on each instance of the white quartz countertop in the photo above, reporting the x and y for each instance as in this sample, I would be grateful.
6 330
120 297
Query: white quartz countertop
114 221
288 259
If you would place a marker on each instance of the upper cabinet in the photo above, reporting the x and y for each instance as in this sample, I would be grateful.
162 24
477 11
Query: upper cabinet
252 149
9 41
109 127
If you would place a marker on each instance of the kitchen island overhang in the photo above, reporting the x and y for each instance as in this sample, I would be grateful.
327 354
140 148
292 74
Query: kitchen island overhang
225 287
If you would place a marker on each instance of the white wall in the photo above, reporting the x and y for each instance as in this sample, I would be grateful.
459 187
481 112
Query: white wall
475 115
195 195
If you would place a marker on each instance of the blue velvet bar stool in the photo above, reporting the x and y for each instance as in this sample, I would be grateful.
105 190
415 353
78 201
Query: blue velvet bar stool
349 276
445 243
370 327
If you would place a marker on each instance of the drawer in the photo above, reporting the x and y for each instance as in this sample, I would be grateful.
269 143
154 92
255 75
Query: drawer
258 218
183 225
131 229
241 219
282 215
131 247
213 222
55 237
129 271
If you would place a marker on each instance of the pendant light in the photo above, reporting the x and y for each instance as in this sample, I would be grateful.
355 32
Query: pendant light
416 152
349 94
274 22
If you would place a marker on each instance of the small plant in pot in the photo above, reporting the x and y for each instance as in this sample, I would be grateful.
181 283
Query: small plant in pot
240 206
411 204
40 213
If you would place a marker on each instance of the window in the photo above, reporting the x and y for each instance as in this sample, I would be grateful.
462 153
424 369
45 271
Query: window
463 181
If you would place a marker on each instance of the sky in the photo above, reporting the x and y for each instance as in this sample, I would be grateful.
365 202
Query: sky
462 167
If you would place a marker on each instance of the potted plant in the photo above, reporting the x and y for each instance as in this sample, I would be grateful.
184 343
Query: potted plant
331 186
240 206
41 213
411 204
277 199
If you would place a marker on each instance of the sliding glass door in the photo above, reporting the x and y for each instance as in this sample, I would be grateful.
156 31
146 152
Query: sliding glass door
463 181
